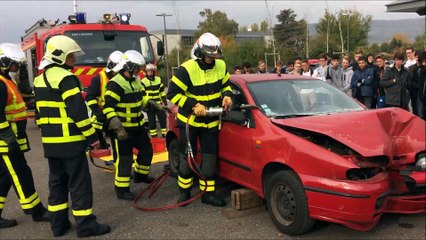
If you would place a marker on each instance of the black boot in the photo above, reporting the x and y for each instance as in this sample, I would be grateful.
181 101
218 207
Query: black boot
61 231
185 194
212 199
41 214
142 178
125 194
100 229
7 223
60 222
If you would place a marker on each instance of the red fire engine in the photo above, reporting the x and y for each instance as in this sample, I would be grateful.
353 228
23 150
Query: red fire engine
97 40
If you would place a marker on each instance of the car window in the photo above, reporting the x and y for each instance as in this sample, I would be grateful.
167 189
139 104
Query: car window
300 98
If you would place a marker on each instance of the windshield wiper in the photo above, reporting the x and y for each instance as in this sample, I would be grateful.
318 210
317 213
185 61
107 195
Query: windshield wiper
292 115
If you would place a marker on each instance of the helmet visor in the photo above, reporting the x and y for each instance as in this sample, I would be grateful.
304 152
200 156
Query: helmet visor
212 51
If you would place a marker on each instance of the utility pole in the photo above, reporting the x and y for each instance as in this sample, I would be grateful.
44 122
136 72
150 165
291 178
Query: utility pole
164 15
74 2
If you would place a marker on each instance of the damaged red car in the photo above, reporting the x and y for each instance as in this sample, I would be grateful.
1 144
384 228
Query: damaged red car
314 153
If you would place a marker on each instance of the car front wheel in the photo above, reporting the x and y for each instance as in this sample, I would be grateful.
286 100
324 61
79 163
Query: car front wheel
287 203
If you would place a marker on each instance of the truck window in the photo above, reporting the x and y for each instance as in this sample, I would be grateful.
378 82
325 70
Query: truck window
97 45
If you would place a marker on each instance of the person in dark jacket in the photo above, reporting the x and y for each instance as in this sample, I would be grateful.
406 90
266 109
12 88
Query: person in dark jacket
362 83
421 85
394 81
413 74
380 91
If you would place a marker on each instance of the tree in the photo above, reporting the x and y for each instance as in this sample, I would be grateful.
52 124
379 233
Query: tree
384 47
374 49
289 33
420 42
216 23
264 26
359 26
395 44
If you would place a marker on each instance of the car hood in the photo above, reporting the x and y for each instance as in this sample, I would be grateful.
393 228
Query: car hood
389 131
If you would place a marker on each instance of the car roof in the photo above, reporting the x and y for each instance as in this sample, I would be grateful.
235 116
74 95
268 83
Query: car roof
248 78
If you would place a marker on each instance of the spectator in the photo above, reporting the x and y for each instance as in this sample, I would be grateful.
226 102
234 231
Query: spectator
278 67
354 64
247 68
421 86
261 67
412 83
290 67
347 75
362 83
335 73
321 71
306 70
371 64
237 69
411 60
380 91
394 81
296 70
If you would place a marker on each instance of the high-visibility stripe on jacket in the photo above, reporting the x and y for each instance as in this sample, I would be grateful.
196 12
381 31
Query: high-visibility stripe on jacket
62 113
206 87
102 88
124 99
154 90
14 116
96 97
15 106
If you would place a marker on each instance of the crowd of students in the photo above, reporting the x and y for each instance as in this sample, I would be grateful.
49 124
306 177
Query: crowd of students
373 80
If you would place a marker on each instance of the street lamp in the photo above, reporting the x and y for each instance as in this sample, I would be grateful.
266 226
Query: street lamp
164 15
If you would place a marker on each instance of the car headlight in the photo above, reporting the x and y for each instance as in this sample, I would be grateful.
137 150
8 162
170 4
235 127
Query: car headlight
421 162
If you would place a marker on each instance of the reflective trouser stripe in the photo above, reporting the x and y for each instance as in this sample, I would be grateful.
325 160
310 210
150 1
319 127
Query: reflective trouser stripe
82 213
120 181
142 169
30 202
209 187
185 182
15 178
153 132
56 208
2 202
164 131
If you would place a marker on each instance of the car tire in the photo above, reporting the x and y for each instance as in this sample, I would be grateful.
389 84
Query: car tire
287 203
174 150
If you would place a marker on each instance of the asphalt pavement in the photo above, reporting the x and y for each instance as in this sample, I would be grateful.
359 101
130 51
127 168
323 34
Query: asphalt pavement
195 221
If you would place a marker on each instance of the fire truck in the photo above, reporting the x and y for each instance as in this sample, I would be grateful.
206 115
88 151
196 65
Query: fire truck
97 40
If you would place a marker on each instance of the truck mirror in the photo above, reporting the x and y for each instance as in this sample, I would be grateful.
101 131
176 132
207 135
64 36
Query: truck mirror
160 48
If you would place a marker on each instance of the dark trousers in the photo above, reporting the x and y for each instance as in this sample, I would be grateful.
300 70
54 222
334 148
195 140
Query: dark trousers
152 114
421 108
208 139
71 176
139 139
367 101
14 171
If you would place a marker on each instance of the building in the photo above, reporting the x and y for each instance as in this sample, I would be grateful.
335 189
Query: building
417 6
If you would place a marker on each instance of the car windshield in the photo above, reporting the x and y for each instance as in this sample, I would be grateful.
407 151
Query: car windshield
295 98
97 45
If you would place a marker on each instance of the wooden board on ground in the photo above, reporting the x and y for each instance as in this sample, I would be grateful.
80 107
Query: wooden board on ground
245 198
233 213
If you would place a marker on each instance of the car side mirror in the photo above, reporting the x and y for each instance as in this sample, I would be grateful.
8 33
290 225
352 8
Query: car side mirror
160 48
237 117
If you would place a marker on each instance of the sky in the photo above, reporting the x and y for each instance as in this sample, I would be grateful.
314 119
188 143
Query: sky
16 16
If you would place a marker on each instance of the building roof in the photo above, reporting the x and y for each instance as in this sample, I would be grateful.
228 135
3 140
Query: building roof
417 6
183 32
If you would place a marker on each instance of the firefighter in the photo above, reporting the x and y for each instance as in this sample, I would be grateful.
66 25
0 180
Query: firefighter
154 89
66 132
200 83
96 98
14 142
124 102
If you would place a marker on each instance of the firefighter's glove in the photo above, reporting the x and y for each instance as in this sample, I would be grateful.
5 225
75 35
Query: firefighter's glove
121 134
227 102
155 106
114 124
100 116
199 110
95 145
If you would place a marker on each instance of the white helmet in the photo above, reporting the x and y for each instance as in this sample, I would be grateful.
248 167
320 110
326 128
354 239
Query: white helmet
113 59
150 67
129 61
57 50
10 53
207 45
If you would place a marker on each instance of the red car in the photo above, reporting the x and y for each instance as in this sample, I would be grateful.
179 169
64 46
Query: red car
315 153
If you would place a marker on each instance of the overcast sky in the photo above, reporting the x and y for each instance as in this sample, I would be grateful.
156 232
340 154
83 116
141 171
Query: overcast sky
16 16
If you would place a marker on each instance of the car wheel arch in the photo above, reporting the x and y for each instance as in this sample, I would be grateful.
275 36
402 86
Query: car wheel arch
269 170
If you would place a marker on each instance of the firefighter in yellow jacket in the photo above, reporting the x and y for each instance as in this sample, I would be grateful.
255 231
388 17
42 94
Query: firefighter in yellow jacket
124 101
95 98
154 90
66 132
14 142
198 84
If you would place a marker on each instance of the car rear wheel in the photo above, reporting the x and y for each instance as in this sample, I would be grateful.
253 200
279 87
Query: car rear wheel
174 150
287 203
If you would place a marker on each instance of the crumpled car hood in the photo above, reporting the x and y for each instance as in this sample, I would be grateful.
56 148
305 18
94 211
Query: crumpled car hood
388 131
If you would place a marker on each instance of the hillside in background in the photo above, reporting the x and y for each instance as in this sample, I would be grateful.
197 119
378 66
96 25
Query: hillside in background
383 30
